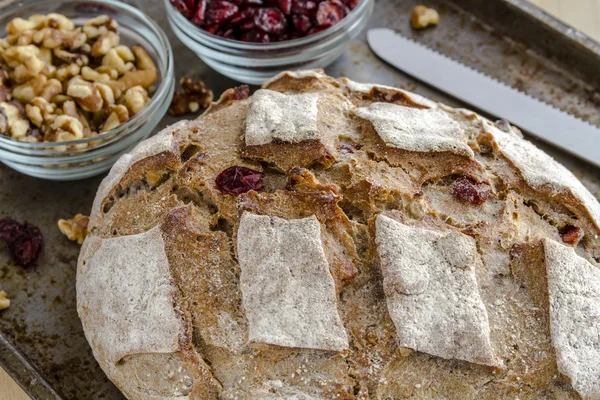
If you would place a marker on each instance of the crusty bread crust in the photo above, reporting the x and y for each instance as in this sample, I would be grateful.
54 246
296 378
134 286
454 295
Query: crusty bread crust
420 293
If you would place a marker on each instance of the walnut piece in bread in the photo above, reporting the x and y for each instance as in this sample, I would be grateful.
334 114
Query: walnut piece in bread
395 248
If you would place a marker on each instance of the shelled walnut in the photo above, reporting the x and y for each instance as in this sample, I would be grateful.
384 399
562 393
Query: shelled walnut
422 17
60 82
4 301
76 228
195 96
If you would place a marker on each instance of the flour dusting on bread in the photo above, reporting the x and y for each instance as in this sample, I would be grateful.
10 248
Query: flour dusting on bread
273 116
574 298
122 318
287 290
415 129
432 293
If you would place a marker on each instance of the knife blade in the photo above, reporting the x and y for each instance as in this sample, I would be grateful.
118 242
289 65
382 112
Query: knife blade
541 120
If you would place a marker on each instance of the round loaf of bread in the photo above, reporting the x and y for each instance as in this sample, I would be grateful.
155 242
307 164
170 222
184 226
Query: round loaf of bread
325 239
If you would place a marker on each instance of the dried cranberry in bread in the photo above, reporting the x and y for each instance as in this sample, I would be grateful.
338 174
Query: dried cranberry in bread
363 243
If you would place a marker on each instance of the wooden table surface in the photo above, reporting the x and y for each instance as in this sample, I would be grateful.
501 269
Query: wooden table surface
582 14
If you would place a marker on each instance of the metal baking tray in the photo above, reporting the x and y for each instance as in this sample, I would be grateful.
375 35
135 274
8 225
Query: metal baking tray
41 341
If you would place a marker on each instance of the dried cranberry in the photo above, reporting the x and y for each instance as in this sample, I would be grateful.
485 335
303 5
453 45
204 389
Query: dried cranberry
8 229
288 36
351 3
237 180
571 234
248 25
301 23
182 7
199 13
503 125
228 34
345 148
342 5
241 92
220 11
270 20
264 21
211 29
471 191
315 29
305 7
24 241
285 6
328 14
255 36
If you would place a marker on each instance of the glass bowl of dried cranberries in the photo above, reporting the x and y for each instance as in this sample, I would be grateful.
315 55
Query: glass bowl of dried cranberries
253 40
81 83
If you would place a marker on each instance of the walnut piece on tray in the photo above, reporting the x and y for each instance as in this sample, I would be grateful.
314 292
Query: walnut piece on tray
195 96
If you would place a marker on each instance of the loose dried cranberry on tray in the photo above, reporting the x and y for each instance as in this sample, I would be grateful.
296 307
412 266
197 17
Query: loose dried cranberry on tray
24 241
237 180
264 21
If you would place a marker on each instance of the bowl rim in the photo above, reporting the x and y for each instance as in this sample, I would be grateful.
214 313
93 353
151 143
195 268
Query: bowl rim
285 44
161 90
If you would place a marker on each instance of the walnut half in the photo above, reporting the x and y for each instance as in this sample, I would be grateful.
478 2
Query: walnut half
195 96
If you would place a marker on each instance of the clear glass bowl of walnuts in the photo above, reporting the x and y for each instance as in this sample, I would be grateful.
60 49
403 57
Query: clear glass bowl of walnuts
81 83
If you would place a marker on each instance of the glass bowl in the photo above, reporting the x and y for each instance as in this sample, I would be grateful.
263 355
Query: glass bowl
254 63
84 158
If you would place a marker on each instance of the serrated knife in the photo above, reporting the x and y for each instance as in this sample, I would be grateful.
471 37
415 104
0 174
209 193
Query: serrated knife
541 120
